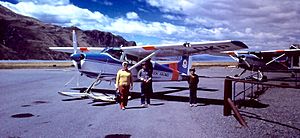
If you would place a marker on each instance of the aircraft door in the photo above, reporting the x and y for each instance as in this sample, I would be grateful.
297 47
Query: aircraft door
123 57
130 59
295 62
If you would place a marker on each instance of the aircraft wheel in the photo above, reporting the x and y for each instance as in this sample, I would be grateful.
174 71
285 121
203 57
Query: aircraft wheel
293 75
264 78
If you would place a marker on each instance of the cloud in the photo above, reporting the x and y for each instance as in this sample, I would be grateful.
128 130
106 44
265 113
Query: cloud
132 15
260 24
170 5
271 24
71 15
48 2
147 29
107 3
66 15
171 17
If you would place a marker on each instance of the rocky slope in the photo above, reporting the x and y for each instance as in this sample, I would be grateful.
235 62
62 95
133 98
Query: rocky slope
24 37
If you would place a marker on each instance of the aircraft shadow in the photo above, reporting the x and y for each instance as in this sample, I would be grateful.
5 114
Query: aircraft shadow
254 116
203 76
157 104
118 136
256 94
221 77
73 99
205 101
102 103
250 103
141 107
160 95
187 88
135 107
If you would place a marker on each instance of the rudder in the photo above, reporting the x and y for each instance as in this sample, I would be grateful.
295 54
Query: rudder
184 64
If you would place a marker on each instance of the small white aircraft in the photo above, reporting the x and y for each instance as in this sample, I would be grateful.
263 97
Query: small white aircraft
283 61
103 63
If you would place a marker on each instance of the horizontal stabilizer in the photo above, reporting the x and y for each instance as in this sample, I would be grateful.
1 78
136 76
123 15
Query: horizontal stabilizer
81 49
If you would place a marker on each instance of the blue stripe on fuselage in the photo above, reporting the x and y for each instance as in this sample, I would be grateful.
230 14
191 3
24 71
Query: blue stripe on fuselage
104 57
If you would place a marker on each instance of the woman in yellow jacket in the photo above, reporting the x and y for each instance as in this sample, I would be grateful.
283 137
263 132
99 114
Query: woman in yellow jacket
124 82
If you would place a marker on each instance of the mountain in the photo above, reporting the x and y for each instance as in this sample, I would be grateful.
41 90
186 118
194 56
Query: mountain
23 37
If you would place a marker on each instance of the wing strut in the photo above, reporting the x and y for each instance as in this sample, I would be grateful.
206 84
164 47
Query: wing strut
143 60
275 59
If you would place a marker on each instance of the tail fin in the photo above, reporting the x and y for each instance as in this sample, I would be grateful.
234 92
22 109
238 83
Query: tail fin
74 42
184 64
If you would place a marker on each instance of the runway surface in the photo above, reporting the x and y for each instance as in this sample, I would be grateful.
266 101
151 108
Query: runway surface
31 107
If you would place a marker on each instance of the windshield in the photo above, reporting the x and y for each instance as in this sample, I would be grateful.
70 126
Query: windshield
116 53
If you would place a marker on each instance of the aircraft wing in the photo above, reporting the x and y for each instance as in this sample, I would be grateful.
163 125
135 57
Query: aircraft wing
193 48
267 53
82 49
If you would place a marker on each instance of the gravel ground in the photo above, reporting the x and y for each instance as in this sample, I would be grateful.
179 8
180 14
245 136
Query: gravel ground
31 107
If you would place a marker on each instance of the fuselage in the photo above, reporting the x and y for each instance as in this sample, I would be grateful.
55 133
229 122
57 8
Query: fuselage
94 64
263 64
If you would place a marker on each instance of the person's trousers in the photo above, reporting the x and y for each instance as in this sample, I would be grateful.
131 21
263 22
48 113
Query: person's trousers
124 92
193 95
146 93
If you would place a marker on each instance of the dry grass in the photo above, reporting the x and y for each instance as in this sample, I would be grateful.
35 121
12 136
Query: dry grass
16 65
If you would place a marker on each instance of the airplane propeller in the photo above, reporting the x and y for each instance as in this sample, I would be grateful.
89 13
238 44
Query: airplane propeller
74 42
239 58
242 59
76 57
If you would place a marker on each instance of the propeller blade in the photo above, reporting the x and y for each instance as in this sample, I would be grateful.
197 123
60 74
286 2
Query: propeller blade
74 42
243 60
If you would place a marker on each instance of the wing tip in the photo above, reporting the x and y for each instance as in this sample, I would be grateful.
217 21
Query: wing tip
239 43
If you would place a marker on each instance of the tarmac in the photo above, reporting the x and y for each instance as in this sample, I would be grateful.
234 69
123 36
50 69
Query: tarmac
31 107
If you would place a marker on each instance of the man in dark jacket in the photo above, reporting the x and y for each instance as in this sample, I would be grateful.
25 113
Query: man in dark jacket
145 76
193 80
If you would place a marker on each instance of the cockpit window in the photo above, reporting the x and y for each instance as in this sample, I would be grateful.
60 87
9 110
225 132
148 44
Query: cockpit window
116 53
131 59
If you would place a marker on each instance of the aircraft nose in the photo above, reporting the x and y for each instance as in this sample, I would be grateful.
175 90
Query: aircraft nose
77 57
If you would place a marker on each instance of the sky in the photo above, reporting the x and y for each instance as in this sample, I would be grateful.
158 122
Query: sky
260 24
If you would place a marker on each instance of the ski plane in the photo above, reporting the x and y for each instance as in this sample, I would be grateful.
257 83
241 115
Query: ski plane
284 61
103 63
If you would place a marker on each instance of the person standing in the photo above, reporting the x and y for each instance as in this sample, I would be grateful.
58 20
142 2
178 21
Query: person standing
144 75
124 82
149 66
193 81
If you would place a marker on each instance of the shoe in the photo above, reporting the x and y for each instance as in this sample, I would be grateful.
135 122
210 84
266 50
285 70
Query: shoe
123 108
142 105
191 105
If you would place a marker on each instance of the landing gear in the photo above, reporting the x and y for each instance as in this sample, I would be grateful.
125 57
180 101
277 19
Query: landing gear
239 75
293 75
87 93
255 76
259 76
